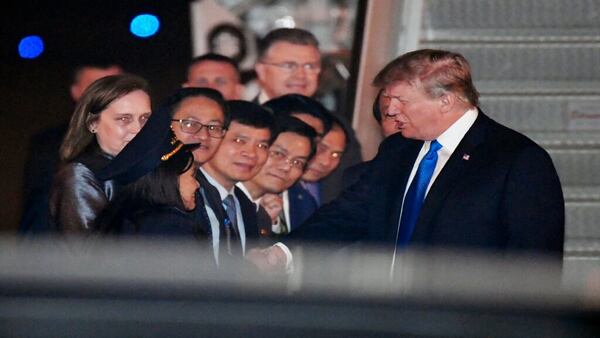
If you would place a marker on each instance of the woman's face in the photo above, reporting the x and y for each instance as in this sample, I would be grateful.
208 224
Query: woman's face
199 109
188 185
121 121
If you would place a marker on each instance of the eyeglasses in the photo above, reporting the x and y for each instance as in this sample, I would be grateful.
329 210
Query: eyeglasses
293 162
291 67
192 127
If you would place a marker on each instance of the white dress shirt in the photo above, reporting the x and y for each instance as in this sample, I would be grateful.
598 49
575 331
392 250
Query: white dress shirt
449 140
223 193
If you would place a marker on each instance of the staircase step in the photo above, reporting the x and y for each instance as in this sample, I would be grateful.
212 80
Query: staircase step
577 166
509 36
530 62
545 17
567 140
588 193
582 220
548 113
564 89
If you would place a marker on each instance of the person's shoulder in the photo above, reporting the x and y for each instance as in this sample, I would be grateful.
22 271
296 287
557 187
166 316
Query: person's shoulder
396 142
93 158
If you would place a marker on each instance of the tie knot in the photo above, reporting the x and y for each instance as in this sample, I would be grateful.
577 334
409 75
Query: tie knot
433 147
229 201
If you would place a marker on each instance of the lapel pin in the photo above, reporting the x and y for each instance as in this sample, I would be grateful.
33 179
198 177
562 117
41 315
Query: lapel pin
466 157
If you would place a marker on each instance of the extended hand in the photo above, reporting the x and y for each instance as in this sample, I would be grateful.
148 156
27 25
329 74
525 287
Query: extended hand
271 259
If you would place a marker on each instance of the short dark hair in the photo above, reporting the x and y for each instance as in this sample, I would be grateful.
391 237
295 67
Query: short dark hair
290 124
158 188
253 115
290 104
172 103
95 62
295 36
216 58
438 71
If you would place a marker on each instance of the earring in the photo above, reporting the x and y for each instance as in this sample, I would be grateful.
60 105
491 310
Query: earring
93 130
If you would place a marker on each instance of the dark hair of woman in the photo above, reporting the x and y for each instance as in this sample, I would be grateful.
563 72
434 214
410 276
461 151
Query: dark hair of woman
158 188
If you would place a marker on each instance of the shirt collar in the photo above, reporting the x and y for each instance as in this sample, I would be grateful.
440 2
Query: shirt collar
247 192
263 97
221 189
453 135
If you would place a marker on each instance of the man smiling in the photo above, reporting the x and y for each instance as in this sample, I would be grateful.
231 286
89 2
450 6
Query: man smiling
293 147
240 156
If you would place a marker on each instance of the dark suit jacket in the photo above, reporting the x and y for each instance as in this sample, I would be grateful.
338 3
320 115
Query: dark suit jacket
353 174
302 205
248 208
162 221
499 190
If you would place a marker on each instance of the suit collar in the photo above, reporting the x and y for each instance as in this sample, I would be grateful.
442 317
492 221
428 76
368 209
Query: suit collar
221 189
213 198
466 157
248 210
450 138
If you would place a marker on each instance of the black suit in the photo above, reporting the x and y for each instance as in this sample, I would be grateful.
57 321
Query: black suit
499 190
248 208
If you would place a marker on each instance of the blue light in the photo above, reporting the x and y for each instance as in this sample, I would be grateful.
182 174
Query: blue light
144 25
31 47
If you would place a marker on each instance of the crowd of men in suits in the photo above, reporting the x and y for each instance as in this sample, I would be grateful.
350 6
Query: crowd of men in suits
446 175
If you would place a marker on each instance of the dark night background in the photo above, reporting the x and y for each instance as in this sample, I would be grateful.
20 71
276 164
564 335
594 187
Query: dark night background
34 93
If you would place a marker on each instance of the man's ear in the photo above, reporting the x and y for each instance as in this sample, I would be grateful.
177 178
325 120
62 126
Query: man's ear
447 101
260 71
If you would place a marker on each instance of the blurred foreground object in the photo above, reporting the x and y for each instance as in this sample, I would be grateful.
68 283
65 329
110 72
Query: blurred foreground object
88 287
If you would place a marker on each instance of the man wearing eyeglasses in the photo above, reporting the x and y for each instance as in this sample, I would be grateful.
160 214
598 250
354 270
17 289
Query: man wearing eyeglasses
300 201
289 154
289 62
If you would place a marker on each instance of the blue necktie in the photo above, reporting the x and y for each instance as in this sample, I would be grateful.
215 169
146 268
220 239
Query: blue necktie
229 231
416 194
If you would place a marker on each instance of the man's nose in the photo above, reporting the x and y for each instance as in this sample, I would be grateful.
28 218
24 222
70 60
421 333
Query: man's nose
202 134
